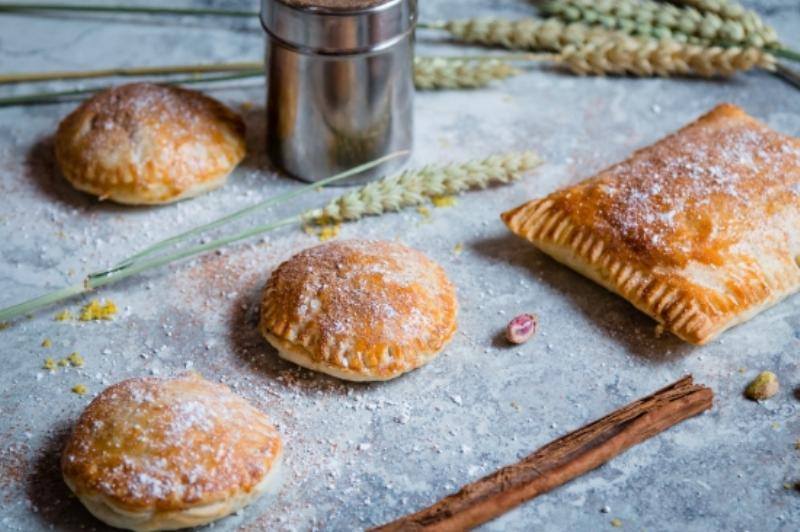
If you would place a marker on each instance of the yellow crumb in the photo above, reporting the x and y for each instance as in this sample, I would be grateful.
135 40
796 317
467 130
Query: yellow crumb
616 522
776 426
797 444
329 232
246 106
4 325
424 211
94 310
444 201
64 315
76 359
458 249
63 362
325 227
742 370
80 389
47 343
49 363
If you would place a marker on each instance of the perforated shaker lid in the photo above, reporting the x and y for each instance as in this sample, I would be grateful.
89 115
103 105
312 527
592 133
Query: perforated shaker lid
338 27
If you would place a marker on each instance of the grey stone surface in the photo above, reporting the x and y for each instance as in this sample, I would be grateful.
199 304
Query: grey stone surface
358 455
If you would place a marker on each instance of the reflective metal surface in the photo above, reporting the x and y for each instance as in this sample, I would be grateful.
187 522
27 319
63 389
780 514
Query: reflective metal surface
339 87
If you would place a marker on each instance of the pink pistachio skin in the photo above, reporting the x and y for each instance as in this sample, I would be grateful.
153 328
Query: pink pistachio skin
521 329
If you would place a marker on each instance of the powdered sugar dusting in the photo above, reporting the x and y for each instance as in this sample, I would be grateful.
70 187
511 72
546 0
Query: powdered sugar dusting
149 136
359 296
696 193
169 442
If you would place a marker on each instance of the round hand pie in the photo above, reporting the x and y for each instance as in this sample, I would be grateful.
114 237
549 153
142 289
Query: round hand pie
162 454
147 144
359 310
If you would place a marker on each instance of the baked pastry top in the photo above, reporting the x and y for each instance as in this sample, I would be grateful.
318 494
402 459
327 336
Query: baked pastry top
147 144
160 454
359 310
699 230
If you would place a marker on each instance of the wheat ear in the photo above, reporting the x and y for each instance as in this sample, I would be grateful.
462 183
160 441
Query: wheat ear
445 73
522 34
640 57
734 11
661 20
727 9
416 187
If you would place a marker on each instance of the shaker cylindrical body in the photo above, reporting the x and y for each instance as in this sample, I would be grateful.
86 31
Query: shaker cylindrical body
340 86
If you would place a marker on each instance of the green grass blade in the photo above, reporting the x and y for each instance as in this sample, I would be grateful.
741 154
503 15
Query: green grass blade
281 198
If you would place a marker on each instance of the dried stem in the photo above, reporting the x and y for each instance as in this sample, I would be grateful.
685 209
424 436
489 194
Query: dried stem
130 72
58 96
141 10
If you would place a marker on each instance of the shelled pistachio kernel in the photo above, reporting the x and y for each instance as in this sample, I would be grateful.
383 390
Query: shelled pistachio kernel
521 329
764 386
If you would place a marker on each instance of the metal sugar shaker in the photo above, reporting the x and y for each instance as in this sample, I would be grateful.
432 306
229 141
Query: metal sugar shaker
340 84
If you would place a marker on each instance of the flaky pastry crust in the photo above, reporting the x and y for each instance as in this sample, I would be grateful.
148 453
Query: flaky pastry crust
149 144
359 310
162 454
699 230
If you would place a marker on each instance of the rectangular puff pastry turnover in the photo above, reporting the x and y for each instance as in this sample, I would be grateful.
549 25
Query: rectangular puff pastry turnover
701 230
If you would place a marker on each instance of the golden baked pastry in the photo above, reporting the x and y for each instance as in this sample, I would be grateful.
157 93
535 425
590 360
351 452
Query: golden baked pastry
146 144
699 230
359 310
163 454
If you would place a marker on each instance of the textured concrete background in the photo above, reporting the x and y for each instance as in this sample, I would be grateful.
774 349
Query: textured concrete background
358 455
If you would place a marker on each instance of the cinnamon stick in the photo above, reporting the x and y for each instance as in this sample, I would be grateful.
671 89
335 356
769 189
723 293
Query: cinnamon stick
560 460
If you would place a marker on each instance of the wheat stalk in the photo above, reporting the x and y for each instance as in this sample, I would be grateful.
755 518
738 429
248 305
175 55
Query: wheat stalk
444 73
134 9
660 20
522 34
389 194
641 57
416 187
429 73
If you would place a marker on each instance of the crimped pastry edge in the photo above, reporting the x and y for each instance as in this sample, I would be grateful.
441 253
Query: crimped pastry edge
378 361
299 355
148 520
129 198
582 249
92 176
